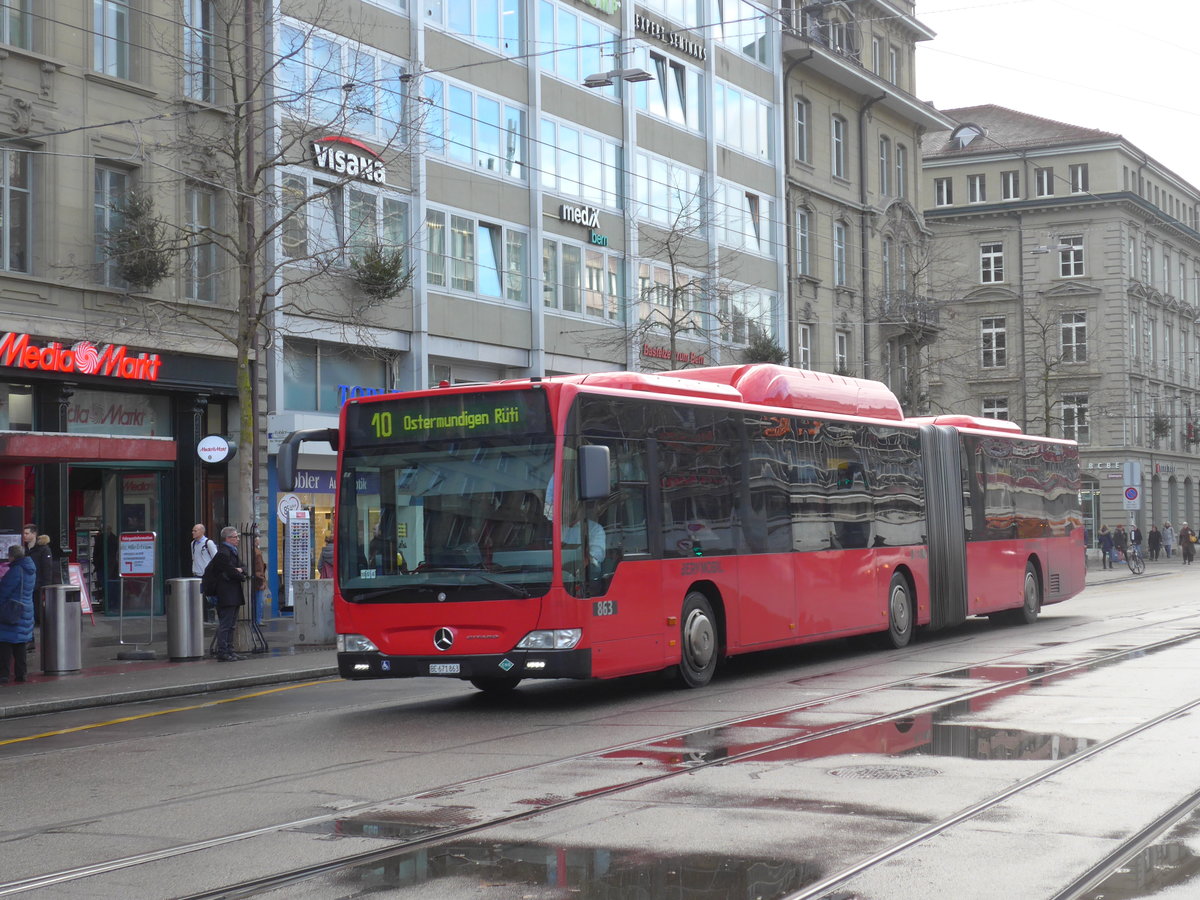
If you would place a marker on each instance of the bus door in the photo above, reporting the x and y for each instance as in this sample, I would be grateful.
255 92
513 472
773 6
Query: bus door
948 506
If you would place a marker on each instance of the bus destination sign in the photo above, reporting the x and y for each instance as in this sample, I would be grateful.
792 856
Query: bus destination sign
453 417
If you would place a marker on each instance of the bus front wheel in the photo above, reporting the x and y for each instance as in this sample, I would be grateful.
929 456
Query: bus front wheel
900 614
698 644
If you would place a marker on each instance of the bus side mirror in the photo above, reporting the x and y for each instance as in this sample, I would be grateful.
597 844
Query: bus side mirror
594 480
289 453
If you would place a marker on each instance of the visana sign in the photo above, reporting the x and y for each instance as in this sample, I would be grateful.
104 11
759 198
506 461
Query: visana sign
360 161
84 358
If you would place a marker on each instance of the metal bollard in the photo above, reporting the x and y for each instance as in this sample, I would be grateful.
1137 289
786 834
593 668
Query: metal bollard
60 629
185 619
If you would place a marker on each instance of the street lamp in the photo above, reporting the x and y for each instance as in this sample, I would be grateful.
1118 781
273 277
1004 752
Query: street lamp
607 79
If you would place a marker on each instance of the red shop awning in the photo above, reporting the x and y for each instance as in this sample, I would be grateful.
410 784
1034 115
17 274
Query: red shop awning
28 447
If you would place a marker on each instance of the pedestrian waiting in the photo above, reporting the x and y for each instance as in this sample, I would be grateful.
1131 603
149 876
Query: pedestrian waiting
1107 554
1187 544
1168 539
16 590
1154 541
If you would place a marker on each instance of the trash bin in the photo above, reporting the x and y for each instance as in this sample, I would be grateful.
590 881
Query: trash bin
60 629
185 619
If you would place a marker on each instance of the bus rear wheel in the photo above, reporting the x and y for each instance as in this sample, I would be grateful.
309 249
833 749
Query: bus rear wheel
498 684
1031 603
698 643
900 614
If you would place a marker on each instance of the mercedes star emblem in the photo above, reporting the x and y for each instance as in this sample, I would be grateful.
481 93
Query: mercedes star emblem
443 639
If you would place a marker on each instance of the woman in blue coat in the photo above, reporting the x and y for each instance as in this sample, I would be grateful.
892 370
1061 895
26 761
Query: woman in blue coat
17 582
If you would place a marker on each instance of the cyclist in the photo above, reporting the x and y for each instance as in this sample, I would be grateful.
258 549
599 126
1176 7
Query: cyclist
1135 540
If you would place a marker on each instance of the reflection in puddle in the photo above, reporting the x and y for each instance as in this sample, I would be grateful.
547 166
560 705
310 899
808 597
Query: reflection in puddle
1157 867
486 869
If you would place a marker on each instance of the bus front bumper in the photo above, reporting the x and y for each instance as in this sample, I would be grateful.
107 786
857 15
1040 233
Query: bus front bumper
517 664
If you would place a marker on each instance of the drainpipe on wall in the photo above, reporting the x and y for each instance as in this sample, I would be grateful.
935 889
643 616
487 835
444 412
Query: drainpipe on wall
864 253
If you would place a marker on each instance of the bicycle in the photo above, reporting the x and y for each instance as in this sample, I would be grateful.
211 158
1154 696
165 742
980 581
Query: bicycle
1135 560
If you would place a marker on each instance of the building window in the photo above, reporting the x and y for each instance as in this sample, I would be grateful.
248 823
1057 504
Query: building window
1073 331
200 266
976 189
893 65
744 220
885 166
839 254
1135 332
901 170
991 263
472 128
994 408
1070 258
317 377
1010 185
325 80
579 164
1079 178
993 334
110 190
841 352
742 28
670 195
801 137
876 56
476 257
804 347
1076 426
885 264
198 49
493 23
674 96
329 222
837 137
803 247
943 192
746 312
15 183
16 23
1043 182
110 37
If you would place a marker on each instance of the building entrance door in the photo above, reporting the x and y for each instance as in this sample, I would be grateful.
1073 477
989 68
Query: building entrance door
104 502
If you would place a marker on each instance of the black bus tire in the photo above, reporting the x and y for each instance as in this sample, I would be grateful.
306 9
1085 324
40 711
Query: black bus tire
699 644
901 616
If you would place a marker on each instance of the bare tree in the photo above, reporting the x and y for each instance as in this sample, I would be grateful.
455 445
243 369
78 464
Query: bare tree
686 307
257 236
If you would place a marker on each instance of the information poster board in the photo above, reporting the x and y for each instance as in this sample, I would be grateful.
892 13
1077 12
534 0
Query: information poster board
136 554
85 595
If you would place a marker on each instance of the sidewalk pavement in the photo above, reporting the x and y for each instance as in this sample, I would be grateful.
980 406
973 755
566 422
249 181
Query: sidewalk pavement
105 680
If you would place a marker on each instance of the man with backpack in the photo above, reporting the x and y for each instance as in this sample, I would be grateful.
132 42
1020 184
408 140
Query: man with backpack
203 551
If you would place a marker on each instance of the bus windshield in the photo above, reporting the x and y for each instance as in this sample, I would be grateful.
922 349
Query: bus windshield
446 498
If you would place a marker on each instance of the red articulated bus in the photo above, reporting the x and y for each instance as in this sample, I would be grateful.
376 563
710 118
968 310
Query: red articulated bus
592 526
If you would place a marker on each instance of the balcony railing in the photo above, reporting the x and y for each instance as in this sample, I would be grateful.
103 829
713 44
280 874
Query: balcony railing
909 310
841 38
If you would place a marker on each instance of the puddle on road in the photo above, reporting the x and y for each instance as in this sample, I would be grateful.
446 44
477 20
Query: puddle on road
486 869
1156 868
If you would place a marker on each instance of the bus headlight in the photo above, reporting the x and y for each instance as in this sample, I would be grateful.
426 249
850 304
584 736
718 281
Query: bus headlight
355 643
559 639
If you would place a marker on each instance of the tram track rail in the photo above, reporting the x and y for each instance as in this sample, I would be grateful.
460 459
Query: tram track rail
625 785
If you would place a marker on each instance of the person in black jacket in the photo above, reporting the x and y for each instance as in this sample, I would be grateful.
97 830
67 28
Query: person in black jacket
38 551
230 575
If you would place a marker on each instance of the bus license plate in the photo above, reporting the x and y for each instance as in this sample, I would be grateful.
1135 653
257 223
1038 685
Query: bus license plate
443 669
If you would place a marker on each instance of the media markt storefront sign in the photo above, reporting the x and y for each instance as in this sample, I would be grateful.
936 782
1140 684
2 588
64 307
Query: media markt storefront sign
81 358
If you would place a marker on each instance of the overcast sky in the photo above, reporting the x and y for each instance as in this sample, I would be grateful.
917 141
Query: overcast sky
1132 68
